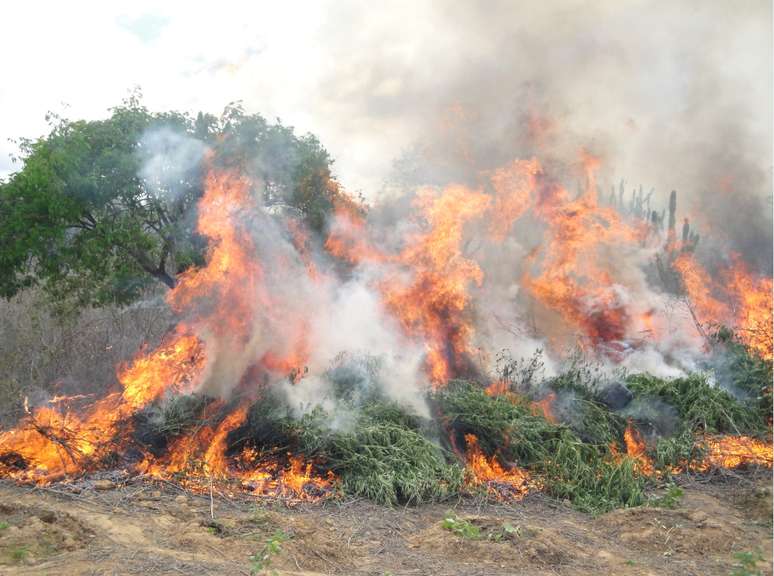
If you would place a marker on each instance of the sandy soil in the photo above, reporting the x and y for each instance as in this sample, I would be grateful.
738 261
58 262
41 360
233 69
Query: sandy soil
139 527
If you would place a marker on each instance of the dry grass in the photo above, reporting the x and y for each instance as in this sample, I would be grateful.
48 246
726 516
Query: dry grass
43 354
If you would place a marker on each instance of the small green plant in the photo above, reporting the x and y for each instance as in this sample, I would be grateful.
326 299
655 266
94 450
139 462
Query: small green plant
19 553
506 532
671 498
461 527
4 525
260 561
747 564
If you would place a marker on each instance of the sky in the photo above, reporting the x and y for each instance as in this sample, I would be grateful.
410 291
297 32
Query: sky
662 89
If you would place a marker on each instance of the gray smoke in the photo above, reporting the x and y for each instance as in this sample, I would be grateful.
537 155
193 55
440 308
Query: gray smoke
169 158
673 95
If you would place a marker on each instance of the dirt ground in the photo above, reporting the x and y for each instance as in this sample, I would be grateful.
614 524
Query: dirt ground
142 527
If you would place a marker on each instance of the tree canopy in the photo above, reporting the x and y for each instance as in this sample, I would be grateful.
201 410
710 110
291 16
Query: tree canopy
102 208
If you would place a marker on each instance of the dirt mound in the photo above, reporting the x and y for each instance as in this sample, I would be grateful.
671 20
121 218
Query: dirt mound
30 534
144 528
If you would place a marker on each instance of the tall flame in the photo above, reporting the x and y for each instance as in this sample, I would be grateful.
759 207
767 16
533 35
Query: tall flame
432 302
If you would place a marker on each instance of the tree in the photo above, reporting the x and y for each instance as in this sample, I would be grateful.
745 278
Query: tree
101 209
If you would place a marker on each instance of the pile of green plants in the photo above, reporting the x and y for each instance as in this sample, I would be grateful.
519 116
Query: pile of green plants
390 454
586 473
699 404
384 453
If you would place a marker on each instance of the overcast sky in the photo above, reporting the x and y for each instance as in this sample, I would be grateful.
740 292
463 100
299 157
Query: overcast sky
371 78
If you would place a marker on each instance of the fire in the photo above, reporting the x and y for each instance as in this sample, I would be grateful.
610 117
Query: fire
514 483
497 388
698 286
432 302
753 305
735 451
514 187
574 278
637 450
348 240
427 283
742 300
54 441
173 366
544 407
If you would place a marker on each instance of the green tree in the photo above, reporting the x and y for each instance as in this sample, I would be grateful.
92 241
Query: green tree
100 209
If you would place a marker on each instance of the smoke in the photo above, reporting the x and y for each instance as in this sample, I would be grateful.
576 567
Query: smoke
268 305
671 95
651 89
169 161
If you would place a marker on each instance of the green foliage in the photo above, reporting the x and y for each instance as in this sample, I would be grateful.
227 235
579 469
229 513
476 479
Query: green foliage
675 451
747 564
743 370
388 463
19 553
592 421
262 560
582 472
173 415
381 455
461 527
506 532
590 478
4 525
700 405
501 424
101 209
467 530
670 499
580 376
595 423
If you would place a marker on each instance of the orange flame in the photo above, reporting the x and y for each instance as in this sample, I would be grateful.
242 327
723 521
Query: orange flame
575 278
432 304
735 451
743 301
636 449
544 407
514 483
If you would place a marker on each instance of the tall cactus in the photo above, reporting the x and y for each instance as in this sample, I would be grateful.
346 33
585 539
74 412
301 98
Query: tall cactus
672 211
671 235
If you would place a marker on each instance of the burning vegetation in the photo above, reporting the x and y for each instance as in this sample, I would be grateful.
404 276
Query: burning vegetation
359 357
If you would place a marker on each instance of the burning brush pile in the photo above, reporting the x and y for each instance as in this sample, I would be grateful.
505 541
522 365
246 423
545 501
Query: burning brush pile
499 338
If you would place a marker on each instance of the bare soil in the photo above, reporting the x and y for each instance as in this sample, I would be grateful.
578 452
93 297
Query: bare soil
143 527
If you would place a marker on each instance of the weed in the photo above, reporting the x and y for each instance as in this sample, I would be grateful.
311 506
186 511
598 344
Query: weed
677 451
19 553
747 564
671 499
461 527
260 561
506 532
4 525
699 404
